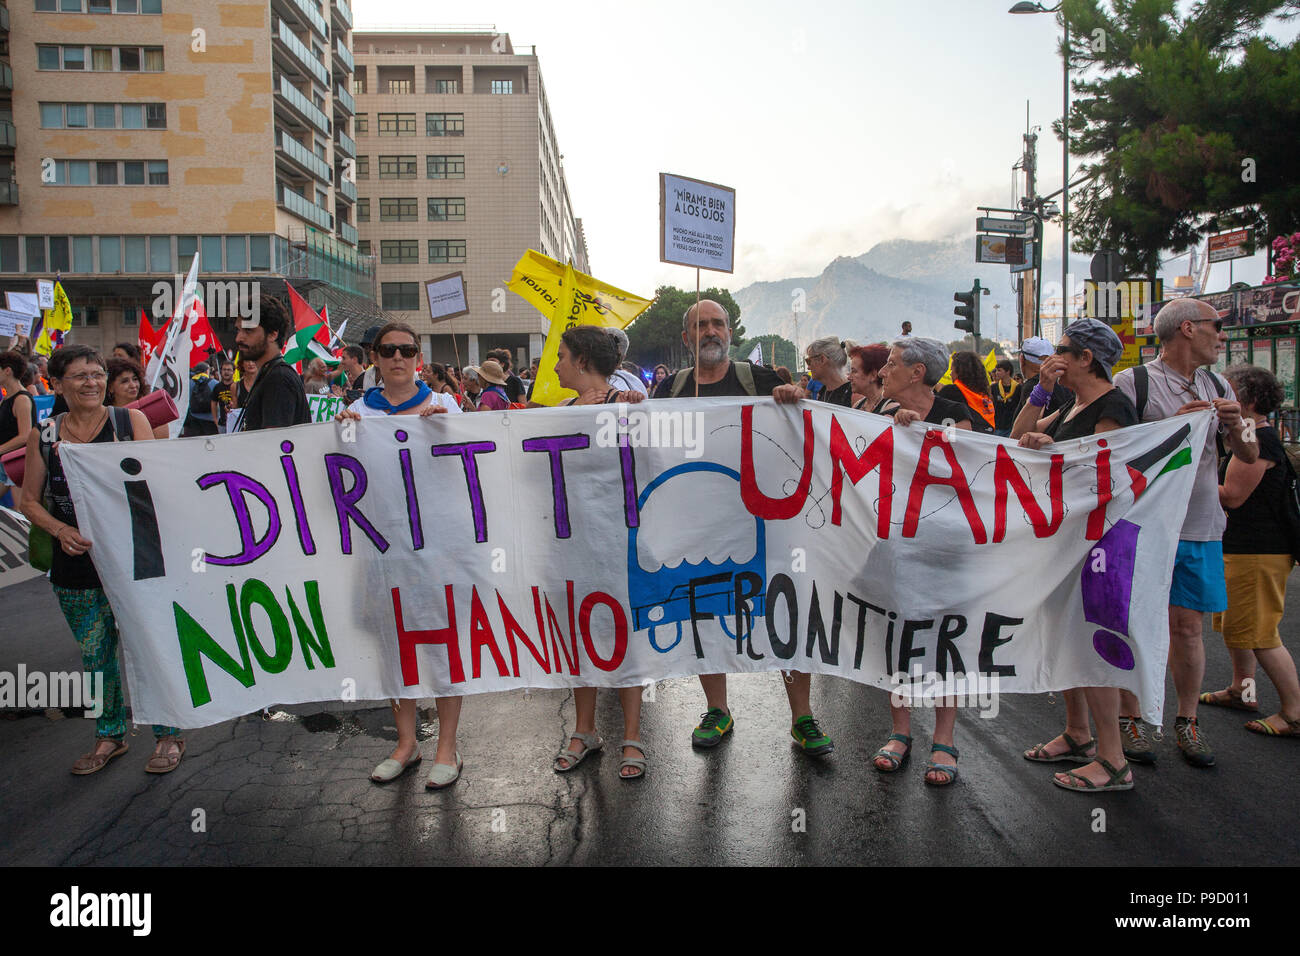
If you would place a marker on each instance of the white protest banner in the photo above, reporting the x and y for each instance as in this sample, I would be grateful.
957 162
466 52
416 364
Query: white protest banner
323 408
697 223
14 323
446 296
458 554
14 568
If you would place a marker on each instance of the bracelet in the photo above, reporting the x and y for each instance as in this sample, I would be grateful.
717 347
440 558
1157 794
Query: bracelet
1040 396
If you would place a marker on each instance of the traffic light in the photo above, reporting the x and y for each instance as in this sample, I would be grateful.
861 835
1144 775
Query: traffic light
969 310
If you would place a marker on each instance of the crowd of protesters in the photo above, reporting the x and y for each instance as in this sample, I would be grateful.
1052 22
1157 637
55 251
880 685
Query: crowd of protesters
1233 557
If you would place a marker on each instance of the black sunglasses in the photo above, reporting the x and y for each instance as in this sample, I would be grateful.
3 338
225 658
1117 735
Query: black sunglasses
1218 323
388 351
1068 350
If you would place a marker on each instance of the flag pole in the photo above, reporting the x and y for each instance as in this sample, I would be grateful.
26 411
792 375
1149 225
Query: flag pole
697 331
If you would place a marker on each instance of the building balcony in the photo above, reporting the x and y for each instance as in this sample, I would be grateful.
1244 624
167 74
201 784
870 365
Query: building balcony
6 78
342 13
8 194
348 233
302 12
302 158
304 208
4 19
8 136
343 101
295 57
343 62
344 144
347 190
299 110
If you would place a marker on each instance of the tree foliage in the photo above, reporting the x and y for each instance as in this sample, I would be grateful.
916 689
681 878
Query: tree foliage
656 335
1185 122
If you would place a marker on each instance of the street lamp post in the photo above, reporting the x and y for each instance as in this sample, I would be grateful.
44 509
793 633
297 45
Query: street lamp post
1026 7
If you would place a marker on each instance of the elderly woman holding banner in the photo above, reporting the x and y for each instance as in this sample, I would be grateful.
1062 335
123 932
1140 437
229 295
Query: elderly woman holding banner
402 393
587 358
46 501
914 367
1083 361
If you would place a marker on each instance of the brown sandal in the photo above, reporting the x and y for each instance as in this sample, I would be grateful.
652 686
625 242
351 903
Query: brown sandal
1232 699
1268 730
94 761
166 762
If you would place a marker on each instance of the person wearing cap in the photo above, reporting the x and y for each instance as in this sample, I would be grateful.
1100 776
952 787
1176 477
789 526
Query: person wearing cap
1083 360
492 379
1032 353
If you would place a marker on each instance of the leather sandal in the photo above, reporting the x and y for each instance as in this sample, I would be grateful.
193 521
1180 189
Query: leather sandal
1268 730
1232 699
1082 784
590 742
166 762
1077 752
94 762
636 763
895 760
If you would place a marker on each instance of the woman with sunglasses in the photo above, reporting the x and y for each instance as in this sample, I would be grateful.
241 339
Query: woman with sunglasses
402 393
1083 361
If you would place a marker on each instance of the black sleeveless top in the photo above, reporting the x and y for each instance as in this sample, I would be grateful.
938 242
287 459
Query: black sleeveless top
9 418
67 570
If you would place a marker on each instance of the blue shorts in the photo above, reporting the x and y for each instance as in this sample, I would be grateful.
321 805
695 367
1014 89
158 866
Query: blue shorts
1199 582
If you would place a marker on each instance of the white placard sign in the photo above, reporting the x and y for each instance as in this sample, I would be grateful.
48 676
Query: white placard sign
24 302
45 293
14 323
697 223
446 296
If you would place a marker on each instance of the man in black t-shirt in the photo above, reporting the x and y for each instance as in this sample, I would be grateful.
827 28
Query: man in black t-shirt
278 398
708 335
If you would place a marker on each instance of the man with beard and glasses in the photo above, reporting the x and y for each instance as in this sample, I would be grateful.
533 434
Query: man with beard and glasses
277 398
706 331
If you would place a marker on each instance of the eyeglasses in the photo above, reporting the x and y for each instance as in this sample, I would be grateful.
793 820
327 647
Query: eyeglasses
81 378
1068 350
1218 323
388 351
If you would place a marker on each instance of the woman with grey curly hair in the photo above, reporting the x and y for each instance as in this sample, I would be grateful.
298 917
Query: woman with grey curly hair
1257 560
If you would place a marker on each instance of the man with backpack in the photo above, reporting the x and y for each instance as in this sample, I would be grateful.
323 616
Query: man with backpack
706 331
1191 337
199 419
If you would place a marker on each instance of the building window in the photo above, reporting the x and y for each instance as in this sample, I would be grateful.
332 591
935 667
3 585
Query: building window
47 58
447 210
128 59
105 116
77 115
137 254
79 172
210 260
358 84
446 167
396 167
398 210
155 115
446 86
101 58
362 127
363 167
396 124
446 250
110 254
444 124
363 210
52 116
158 172
399 251
133 174
74 57
186 246
503 86
236 254
395 296
83 254
106 174
400 86
160 254
259 253
8 253
60 260
363 248
132 116
35 253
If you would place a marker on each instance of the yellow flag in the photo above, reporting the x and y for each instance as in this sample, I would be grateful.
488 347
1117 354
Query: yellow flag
990 363
568 298
56 321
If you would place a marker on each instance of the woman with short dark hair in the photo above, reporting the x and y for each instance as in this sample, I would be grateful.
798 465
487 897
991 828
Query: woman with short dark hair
83 378
1257 561
126 384
865 363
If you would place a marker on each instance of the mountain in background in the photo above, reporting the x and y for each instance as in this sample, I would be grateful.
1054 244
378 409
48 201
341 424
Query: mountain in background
867 298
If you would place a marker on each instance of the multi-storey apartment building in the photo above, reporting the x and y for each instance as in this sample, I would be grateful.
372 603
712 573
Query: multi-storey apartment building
458 170
139 132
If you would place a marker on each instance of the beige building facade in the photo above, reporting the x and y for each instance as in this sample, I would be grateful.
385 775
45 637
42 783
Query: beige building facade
145 131
459 170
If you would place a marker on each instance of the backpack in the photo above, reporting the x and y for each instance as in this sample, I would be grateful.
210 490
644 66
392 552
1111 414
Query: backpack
1142 389
201 396
1291 506
744 372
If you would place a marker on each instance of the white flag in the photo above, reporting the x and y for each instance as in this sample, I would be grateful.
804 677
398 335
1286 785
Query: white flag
169 368
756 356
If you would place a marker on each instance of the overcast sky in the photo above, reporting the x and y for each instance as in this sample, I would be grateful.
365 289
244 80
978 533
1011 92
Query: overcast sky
840 124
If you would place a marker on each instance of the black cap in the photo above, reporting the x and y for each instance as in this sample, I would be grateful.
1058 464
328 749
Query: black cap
371 334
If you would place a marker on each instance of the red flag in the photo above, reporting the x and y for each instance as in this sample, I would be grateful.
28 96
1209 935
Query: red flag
149 340
202 335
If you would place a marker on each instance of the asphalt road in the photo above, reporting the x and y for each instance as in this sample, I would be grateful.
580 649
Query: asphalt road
294 789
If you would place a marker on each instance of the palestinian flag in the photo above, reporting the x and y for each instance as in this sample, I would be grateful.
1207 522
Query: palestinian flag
1173 453
306 344
305 317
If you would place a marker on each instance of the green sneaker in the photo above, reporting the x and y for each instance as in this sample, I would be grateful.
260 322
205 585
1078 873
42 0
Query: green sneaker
810 738
715 724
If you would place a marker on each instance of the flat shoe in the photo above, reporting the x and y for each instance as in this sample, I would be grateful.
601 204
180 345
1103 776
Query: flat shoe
636 763
1075 753
1082 784
390 769
591 743
93 762
166 763
1233 701
443 776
